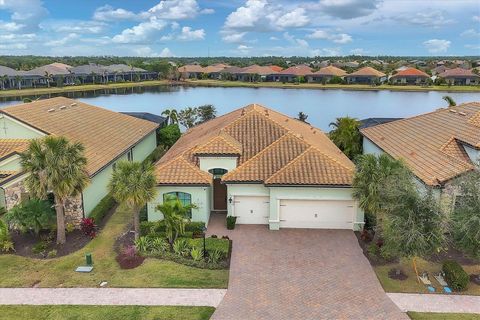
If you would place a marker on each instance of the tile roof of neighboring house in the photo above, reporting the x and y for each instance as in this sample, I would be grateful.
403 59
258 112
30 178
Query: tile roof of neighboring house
214 68
330 71
12 146
105 134
256 69
53 68
432 144
6 71
147 116
232 70
367 72
370 122
191 68
458 72
275 68
300 70
439 69
88 69
123 68
411 72
267 140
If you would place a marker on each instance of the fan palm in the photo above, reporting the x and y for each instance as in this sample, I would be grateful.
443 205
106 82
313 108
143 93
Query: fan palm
58 166
18 80
49 78
174 217
450 101
172 115
3 79
133 185
346 136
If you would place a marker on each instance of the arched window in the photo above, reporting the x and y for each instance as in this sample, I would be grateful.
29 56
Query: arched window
185 199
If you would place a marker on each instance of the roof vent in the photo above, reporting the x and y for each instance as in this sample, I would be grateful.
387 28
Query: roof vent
266 112
286 120
452 111
63 107
73 104
51 110
462 113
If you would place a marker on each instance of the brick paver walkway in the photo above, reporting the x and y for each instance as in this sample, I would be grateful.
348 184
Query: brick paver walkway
299 274
112 296
436 303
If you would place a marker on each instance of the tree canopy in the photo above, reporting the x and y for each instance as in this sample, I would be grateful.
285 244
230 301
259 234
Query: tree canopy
346 136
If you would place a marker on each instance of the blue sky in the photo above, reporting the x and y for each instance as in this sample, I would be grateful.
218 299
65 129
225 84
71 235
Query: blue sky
240 27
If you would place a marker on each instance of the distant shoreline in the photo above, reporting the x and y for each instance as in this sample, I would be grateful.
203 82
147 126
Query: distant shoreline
232 84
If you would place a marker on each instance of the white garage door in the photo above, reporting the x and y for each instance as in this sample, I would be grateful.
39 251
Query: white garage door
252 210
317 214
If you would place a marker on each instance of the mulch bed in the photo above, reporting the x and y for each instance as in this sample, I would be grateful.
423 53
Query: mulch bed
76 240
475 278
453 254
374 261
397 274
127 262
127 239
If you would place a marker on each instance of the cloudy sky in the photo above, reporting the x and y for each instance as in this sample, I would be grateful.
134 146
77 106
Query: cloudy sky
240 27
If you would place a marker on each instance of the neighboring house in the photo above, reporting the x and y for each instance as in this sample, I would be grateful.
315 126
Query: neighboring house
214 71
8 78
262 167
439 69
326 74
291 74
191 71
230 73
410 76
106 135
56 73
437 146
162 121
460 76
370 122
366 75
255 73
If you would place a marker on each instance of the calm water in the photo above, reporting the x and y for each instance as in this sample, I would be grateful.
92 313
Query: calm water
322 106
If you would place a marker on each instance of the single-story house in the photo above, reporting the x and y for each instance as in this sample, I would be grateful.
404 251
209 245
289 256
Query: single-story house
106 135
190 71
291 74
54 73
255 73
230 73
8 78
262 167
326 74
438 146
460 76
366 75
215 70
410 76
439 69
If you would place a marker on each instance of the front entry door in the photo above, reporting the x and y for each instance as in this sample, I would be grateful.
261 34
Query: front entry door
219 195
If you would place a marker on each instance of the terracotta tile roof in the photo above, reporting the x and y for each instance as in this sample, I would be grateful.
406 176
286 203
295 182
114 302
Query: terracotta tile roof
181 171
53 68
432 144
269 142
214 68
256 69
276 68
6 71
223 144
458 72
191 68
11 146
300 70
411 72
367 71
330 71
105 134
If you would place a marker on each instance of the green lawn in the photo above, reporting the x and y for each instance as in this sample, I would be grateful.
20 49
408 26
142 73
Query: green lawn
59 272
104 313
218 83
442 316
411 285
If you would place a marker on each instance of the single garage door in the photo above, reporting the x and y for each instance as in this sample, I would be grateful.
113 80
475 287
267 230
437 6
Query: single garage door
317 214
252 210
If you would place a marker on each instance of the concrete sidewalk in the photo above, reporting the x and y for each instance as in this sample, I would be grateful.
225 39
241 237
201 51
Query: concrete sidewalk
112 296
436 302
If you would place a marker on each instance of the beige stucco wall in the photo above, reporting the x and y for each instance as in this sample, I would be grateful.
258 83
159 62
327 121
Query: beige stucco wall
200 197
11 164
13 129
227 163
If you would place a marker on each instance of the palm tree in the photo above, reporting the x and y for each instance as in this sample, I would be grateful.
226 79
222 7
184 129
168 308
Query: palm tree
18 80
3 79
206 112
49 78
346 136
302 117
172 115
133 185
450 101
93 75
58 166
188 117
372 174
174 217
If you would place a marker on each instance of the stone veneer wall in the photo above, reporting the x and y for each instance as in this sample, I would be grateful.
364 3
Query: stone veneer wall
73 206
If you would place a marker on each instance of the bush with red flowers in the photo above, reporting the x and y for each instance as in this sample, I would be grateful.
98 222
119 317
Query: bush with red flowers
89 228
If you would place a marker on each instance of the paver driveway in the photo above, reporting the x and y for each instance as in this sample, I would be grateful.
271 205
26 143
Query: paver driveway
300 274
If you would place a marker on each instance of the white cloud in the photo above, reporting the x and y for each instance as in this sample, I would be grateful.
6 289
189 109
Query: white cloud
174 9
476 18
358 52
188 34
10 26
63 41
243 49
433 19
345 9
207 11
17 46
470 33
294 18
144 32
340 38
437 45
108 13
274 38
473 46
233 37
166 53
75 26
24 13
146 51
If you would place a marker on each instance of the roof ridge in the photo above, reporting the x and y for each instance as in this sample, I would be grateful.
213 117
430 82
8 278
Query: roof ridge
442 149
271 145
285 167
212 140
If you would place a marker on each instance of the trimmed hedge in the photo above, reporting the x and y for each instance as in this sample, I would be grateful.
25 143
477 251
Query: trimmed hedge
102 208
455 276
149 227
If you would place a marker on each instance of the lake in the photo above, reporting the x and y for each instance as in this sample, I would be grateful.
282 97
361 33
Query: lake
322 106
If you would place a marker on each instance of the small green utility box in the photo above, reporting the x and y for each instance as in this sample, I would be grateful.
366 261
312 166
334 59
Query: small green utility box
88 259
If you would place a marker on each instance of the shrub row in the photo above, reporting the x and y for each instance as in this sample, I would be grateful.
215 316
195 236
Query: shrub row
455 276
149 227
102 208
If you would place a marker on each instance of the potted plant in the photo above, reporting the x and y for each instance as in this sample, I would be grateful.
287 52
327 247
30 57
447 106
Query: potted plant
231 220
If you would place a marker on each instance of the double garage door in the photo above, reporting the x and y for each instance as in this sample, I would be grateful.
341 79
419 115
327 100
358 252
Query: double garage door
314 214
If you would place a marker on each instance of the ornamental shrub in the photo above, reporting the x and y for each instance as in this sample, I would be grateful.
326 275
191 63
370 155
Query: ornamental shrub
455 276
231 220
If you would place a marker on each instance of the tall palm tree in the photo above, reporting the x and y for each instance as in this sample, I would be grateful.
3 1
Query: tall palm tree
450 101
94 76
58 166
174 217
133 185
49 78
172 116
346 136
18 80
3 79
